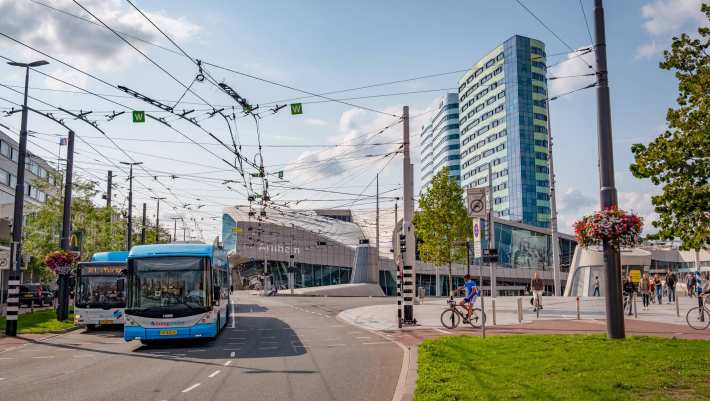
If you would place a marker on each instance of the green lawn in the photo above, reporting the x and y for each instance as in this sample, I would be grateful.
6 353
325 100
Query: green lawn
563 367
41 321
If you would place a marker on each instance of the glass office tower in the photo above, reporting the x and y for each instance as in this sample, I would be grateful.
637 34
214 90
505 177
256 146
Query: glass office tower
439 141
503 123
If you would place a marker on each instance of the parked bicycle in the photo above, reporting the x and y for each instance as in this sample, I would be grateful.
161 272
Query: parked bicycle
451 317
699 316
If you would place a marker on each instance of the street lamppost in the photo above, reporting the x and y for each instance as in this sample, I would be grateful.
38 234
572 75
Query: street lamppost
130 201
16 248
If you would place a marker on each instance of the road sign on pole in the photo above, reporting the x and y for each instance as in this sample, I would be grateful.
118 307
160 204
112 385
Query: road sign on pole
139 116
296 108
476 202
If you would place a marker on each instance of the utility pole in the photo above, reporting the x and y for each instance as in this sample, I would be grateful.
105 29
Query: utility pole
63 293
377 224
175 219
13 291
607 193
554 237
157 218
130 202
109 187
143 226
491 231
408 268
291 261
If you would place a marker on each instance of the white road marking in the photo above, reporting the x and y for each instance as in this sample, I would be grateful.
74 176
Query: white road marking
43 357
442 331
5 359
377 343
2 378
194 386
232 349
215 373
227 363
232 355
363 338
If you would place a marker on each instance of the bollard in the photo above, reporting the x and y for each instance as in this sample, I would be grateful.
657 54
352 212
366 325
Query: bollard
483 314
578 308
520 310
677 308
493 306
635 311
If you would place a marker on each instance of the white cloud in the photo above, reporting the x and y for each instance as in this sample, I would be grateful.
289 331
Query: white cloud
573 204
665 18
315 121
85 45
569 70
321 167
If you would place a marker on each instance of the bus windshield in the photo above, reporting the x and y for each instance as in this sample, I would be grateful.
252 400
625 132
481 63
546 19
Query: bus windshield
168 285
101 292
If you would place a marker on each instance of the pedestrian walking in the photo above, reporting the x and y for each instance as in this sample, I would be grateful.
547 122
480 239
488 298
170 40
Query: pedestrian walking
652 289
658 286
645 290
596 287
538 287
690 284
671 281
629 288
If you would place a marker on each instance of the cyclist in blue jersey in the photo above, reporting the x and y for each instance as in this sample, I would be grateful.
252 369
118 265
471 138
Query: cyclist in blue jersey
471 294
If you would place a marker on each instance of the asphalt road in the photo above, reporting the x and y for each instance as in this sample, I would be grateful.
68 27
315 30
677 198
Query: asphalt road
282 348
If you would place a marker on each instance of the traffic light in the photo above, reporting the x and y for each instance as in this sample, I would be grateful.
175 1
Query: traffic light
490 256
402 243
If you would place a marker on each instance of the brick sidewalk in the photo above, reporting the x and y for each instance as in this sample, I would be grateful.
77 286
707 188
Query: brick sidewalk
412 337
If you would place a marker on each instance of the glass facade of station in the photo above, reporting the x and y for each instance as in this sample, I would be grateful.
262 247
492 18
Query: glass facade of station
306 275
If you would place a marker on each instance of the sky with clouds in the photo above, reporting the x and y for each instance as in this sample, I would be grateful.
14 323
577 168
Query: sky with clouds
320 47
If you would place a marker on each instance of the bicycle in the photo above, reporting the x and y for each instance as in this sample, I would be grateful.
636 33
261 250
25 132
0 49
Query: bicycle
451 317
698 317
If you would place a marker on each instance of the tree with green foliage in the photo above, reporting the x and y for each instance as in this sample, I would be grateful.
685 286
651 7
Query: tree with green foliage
679 159
442 222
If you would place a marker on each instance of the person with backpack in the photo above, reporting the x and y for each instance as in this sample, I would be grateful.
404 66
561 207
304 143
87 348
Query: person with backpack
671 281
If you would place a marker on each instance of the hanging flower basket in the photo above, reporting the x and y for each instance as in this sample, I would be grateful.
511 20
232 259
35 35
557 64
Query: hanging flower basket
620 228
60 262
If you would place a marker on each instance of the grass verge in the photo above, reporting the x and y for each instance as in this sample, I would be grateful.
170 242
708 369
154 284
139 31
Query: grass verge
40 321
562 367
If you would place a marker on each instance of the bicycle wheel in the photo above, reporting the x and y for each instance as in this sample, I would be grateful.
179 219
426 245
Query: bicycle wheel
450 319
478 317
698 318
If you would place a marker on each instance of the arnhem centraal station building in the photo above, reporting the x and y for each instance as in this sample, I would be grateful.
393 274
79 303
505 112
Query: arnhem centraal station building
339 246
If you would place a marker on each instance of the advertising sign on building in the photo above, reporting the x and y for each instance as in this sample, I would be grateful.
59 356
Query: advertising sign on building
477 237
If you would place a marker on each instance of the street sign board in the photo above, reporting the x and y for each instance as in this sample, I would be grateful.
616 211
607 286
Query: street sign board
477 237
296 108
476 202
5 259
139 116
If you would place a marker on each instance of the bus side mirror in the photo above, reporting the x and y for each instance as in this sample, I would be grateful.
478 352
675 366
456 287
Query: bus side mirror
216 291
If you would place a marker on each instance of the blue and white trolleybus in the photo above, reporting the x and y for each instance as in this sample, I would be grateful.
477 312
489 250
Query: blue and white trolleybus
101 290
176 291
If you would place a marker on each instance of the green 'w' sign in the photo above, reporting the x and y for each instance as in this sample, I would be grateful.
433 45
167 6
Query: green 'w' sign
139 116
296 108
